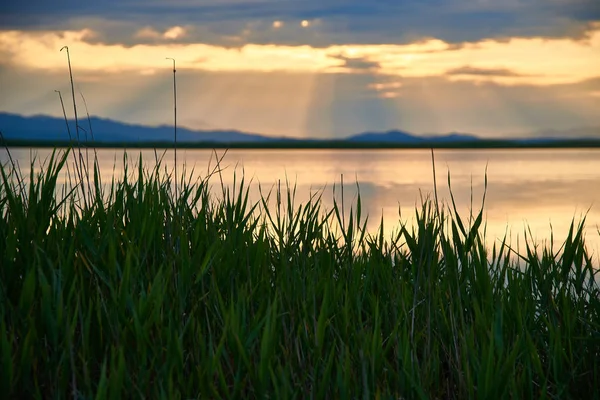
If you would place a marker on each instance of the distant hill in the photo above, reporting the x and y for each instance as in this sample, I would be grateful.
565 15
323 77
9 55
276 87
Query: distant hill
386 137
452 137
396 136
45 129
590 132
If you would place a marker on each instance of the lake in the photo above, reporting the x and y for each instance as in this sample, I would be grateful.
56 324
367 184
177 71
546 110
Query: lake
543 189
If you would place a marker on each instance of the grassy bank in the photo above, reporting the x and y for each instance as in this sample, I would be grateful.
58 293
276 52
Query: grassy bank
136 291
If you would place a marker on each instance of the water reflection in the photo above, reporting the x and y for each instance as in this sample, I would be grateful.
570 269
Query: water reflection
534 188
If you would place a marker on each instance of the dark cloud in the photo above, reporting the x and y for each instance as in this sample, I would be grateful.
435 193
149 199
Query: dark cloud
350 21
357 64
582 10
493 72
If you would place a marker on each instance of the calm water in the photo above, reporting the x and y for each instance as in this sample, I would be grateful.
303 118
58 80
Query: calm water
538 189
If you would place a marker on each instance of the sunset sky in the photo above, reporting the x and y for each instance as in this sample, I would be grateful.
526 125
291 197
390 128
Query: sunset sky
310 68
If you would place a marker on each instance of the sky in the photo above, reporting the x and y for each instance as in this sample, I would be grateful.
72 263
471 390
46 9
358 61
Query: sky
310 68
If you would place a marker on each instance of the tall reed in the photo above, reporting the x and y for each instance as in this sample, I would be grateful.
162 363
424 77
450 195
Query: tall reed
279 300
174 120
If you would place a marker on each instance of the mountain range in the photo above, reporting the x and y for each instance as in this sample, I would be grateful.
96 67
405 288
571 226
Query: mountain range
41 128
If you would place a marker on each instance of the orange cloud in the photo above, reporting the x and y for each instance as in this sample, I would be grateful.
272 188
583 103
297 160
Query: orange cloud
517 61
174 33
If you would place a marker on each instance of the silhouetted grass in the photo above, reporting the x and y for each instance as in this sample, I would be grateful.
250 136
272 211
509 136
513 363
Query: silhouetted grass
135 293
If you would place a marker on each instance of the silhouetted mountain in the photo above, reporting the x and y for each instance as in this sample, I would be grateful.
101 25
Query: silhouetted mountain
396 136
591 132
386 137
44 128
51 129
452 137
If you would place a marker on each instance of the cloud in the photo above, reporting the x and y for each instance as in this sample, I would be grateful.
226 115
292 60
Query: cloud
497 72
355 64
170 34
147 32
327 22
39 50
386 88
174 33
517 61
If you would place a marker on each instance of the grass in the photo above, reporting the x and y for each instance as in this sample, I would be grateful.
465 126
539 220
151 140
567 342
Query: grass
124 290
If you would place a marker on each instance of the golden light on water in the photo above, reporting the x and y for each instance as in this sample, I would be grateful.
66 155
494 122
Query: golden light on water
544 195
